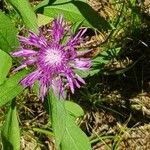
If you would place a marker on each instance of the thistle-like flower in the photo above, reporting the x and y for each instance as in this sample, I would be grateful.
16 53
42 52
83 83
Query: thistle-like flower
54 60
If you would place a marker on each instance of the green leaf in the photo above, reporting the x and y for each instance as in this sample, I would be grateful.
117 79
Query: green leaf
8 38
83 73
67 134
43 20
41 4
73 109
25 10
75 27
99 62
5 65
11 87
43 131
74 138
10 131
77 11
58 117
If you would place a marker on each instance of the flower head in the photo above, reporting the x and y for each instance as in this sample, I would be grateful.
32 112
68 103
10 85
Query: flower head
54 60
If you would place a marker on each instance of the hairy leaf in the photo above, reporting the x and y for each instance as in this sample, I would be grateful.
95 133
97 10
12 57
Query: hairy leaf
8 38
43 20
74 138
5 65
67 134
58 117
11 87
73 109
77 11
25 10
10 131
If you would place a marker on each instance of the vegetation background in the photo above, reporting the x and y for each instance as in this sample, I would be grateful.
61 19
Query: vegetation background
116 99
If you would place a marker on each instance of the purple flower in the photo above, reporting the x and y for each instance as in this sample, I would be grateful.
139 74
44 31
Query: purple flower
54 60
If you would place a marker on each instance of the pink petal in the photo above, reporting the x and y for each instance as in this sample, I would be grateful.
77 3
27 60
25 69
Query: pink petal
80 79
70 84
20 67
82 53
82 63
24 53
42 91
30 79
58 29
